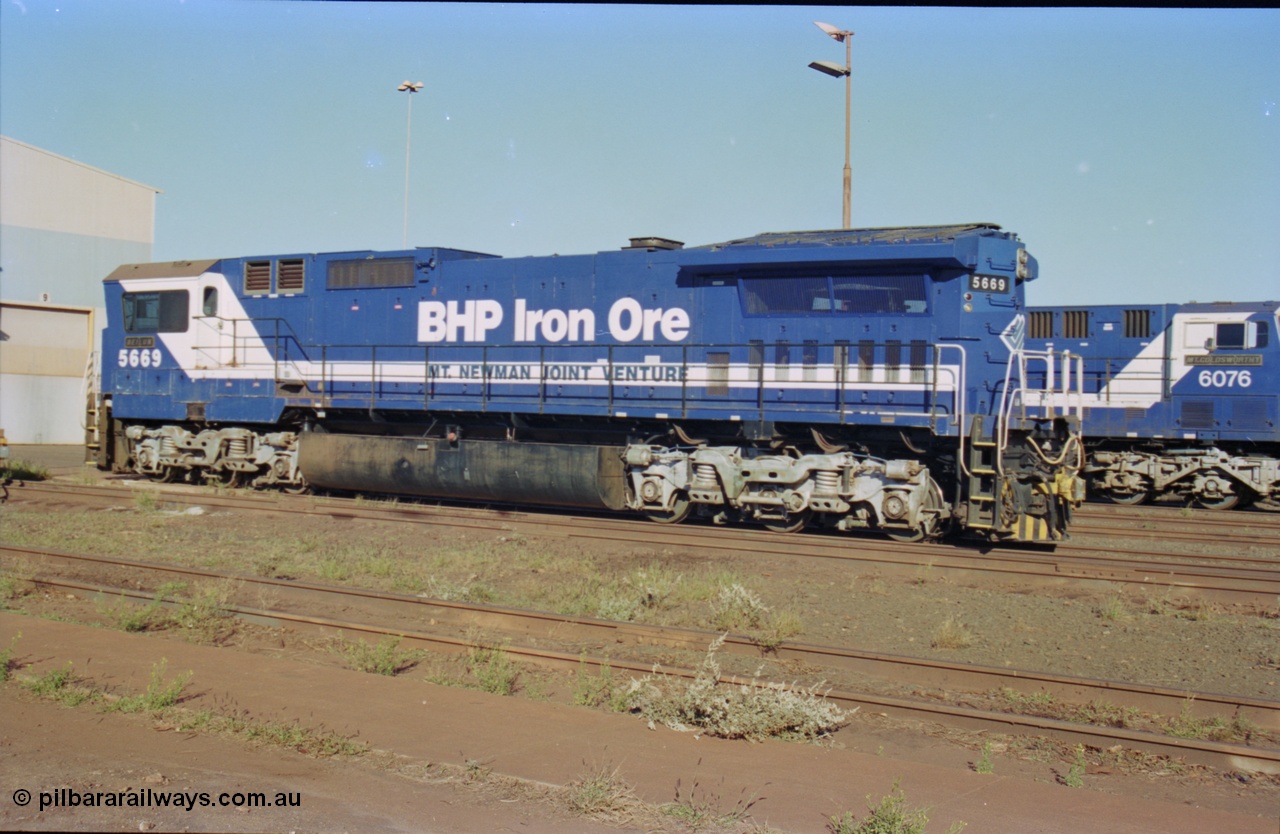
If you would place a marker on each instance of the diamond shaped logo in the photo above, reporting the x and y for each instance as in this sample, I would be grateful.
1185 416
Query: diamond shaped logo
1015 335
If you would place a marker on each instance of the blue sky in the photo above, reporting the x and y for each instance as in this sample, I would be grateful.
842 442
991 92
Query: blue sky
1136 151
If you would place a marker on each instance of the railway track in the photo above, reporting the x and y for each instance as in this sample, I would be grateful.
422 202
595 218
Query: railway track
1234 578
566 642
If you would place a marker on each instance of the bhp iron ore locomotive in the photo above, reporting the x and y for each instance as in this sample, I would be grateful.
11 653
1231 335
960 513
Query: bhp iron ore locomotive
862 379
1180 400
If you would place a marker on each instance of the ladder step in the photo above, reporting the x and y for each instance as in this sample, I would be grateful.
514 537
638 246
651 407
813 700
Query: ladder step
975 470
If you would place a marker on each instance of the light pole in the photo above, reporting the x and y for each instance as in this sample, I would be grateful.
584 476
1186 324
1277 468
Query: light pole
408 132
834 69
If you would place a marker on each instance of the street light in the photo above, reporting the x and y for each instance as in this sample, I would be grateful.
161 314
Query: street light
408 131
836 70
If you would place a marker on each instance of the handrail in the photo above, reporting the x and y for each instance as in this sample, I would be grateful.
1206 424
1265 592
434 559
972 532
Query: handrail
1070 393
90 386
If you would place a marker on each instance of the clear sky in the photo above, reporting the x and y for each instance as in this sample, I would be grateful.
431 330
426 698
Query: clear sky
1136 151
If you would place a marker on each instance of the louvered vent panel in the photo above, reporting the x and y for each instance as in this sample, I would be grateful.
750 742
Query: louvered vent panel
257 277
290 276
1137 324
1040 324
1075 324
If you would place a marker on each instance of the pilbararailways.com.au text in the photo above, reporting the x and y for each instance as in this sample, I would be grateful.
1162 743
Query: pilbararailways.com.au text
148 798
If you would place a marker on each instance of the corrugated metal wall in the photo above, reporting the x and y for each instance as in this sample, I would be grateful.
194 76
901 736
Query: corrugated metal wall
64 226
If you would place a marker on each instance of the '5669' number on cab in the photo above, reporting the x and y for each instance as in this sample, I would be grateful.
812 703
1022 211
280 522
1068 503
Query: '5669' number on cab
989 283
1225 379
139 358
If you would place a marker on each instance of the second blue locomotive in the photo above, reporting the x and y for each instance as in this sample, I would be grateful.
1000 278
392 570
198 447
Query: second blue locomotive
858 379
1179 400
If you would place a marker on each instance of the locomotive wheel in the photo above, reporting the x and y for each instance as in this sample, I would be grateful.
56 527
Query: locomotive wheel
1222 502
928 531
297 489
678 512
1129 499
170 475
231 478
791 524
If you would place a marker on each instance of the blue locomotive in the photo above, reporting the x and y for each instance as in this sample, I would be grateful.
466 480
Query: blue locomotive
1179 400
858 379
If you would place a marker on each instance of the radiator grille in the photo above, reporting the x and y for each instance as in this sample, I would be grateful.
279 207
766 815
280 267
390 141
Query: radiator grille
376 272
1249 413
1197 414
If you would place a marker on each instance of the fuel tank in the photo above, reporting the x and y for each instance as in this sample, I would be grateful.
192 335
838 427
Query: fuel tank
474 470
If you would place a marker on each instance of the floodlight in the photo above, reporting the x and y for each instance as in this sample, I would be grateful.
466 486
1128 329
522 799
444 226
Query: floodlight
838 34
830 68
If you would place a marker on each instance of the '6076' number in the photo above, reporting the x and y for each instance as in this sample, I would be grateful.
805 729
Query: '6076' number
1225 379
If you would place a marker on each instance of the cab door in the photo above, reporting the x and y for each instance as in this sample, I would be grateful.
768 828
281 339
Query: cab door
214 345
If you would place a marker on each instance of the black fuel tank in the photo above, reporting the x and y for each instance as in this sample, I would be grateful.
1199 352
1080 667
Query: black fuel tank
473 470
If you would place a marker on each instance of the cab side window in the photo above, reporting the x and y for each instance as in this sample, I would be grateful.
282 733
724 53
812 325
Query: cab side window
1243 335
156 312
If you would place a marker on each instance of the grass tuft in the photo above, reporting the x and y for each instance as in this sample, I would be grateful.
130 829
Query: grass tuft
952 634
602 795
890 816
24 470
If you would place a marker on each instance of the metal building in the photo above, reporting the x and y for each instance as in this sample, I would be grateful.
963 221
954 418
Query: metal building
64 226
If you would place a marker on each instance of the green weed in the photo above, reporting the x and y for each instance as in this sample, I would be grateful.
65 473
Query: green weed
1114 608
493 670
60 685
6 659
131 617
159 695
1075 775
24 470
382 658
890 816
985 764
147 501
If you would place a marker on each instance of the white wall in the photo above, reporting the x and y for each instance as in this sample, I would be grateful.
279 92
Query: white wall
40 409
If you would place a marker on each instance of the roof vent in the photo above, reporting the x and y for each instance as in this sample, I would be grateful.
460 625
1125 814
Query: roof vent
652 243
